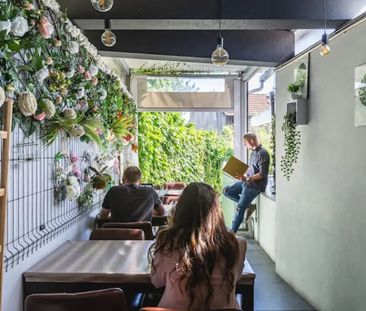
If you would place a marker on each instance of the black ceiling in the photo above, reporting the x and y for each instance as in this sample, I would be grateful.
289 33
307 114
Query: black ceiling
267 39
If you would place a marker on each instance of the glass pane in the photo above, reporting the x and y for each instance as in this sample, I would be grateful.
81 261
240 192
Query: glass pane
178 84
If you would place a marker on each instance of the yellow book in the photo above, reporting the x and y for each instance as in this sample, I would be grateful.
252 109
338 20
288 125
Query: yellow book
234 167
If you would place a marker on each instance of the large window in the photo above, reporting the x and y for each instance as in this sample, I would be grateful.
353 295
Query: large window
261 116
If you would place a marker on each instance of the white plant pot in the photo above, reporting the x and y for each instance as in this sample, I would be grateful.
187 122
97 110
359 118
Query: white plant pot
294 96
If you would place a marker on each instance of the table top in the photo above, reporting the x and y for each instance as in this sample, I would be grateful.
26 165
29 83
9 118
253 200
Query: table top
172 192
175 192
102 262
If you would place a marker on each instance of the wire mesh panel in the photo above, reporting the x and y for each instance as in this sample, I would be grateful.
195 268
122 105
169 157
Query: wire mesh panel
34 216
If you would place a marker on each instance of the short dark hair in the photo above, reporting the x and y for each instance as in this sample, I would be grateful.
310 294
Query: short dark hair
132 174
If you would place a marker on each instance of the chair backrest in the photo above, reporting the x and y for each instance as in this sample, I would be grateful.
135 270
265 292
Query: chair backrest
157 309
145 226
117 234
177 185
170 309
107 300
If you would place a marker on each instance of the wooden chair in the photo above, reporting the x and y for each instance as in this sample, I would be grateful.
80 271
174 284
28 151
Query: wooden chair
158 221
177 185
112 299
170 309
117 234
145 226
174 185
158 309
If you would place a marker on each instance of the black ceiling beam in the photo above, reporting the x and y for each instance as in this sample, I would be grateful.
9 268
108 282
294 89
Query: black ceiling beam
302 10
206 24
253 46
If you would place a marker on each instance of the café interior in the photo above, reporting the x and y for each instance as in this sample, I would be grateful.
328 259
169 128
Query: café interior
77 78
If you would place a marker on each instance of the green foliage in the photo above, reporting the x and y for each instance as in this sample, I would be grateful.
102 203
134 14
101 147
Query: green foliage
292 144
272 145
68 78
172 150
171 84
293 87
298 85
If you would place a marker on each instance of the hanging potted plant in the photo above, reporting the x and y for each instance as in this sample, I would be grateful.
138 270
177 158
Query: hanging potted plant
292 144
295 90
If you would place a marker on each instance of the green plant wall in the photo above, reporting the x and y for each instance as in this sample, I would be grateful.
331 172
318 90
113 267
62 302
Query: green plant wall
170 149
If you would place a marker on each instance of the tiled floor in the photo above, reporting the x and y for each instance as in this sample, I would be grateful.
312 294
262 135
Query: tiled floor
270 291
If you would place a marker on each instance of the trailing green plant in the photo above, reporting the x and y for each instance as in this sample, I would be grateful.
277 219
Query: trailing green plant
292 144
170 149
272 145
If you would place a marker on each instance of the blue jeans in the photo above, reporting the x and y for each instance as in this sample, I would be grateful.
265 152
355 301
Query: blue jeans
243 195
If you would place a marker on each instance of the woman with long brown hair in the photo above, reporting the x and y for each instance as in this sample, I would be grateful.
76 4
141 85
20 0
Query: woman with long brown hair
196 258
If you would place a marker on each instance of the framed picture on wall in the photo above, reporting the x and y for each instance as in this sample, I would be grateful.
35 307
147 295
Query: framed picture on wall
360 95
301 75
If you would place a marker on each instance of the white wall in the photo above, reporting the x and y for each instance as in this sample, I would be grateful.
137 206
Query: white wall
320 212
265 225
12 283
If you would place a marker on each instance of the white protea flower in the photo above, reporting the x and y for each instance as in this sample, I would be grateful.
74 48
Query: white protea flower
93 70
49 108
19 26
73 47
73 181
71 192
70 114
80 93
83 40
27 104
69 26
42 74
75 33
5 25
103 94
76 131
69 74
52 4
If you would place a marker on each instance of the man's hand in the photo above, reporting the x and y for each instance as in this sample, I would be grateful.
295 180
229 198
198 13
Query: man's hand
239 177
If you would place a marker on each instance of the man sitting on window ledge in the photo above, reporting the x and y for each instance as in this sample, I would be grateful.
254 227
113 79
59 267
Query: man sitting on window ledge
244 191
130 201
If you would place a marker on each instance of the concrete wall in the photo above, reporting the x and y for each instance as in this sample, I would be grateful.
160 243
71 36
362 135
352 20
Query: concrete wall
265 225
320 212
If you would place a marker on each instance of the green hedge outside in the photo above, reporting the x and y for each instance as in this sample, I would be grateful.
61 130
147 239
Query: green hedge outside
170 149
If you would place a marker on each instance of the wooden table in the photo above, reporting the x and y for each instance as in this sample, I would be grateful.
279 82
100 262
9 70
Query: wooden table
89 265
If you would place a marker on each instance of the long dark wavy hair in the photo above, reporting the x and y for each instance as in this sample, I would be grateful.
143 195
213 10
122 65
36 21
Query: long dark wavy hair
198 233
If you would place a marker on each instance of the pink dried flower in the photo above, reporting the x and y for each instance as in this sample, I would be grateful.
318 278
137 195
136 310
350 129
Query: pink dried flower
73 157
40 117
94 81
87 75
81 69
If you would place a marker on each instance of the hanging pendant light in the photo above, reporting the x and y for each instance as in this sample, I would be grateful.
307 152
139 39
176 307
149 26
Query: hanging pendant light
102 5
220 56
324 48
108 37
